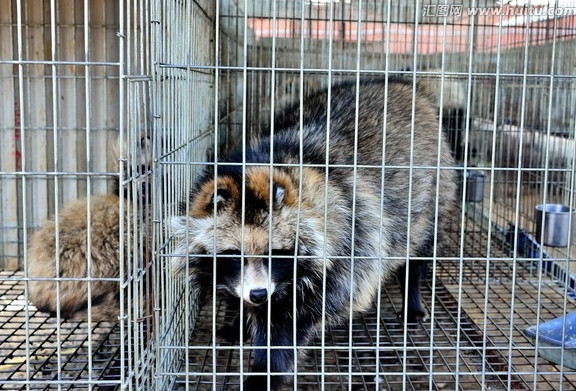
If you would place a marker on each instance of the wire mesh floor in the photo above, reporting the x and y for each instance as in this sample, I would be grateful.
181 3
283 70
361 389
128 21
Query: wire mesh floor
468 348
477 306
40 354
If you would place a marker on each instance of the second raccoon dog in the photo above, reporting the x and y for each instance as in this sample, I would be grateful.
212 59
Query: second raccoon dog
66 245
73 263
343 230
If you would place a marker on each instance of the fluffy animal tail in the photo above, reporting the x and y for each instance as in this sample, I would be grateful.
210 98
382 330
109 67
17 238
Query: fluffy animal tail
105 305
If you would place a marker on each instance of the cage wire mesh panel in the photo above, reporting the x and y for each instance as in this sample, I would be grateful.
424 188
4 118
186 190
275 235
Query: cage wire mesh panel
502 77
185 111
147 95
75 175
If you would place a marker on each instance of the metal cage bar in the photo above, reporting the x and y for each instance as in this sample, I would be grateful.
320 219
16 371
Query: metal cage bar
136 99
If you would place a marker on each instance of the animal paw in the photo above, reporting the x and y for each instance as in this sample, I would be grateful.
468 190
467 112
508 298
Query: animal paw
415 315
256 383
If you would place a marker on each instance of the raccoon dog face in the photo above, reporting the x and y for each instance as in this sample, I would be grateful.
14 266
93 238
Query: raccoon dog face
249 231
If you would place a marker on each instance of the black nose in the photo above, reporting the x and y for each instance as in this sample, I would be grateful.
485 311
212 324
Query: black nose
258 296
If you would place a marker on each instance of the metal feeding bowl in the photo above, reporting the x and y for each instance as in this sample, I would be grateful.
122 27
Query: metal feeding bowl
557 222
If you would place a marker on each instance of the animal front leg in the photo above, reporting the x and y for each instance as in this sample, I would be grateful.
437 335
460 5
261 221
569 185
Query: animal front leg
230 331
281 358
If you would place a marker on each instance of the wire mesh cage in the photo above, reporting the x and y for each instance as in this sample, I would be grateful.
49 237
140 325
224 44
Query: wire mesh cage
126 124
503 87
75 180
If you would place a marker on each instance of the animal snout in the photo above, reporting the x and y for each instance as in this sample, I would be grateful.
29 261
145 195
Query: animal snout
258 296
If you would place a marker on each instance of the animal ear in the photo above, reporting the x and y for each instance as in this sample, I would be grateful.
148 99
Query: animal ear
219 198
278 194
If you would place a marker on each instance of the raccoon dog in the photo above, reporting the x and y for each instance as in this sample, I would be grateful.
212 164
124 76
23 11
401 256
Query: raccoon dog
285 231
73 247
72 253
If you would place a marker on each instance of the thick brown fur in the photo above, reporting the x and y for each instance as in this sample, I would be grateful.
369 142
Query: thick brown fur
73 261
308 203
72 281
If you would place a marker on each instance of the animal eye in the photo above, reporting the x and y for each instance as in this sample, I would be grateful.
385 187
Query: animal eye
228 257
283 252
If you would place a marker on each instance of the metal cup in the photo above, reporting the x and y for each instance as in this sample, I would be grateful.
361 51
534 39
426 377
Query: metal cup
557 219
